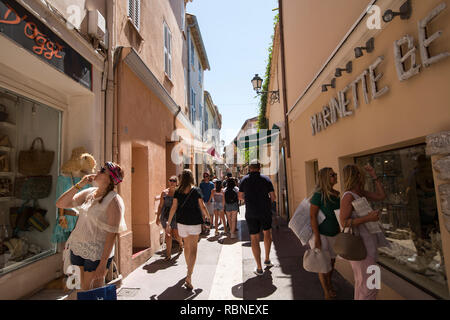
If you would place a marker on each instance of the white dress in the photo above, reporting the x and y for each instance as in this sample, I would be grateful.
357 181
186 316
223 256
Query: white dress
94 223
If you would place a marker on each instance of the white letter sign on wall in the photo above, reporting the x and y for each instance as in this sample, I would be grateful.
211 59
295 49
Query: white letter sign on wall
400 60
374 78
425 42
337 106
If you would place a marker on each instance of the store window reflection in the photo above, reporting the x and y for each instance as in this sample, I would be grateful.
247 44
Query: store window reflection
410 217
30 150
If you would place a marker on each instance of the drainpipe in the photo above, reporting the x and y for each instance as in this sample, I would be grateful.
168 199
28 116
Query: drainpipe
109 96
115 135
283 72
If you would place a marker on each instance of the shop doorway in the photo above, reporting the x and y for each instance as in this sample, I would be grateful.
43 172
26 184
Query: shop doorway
140 215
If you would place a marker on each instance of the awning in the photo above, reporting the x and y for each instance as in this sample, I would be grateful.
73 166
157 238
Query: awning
258 139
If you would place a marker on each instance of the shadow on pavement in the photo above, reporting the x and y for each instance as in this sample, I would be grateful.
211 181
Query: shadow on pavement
161 264
255 288
305 285
177 292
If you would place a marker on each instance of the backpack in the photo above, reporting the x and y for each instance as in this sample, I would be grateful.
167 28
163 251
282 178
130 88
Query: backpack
231 196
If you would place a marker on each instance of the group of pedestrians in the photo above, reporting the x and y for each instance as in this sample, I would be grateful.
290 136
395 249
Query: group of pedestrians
327 199
192 206
184 208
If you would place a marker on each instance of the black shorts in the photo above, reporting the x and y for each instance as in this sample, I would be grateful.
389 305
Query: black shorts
256 223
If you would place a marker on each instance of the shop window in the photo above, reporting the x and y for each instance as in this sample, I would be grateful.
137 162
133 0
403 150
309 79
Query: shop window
409 217
27 183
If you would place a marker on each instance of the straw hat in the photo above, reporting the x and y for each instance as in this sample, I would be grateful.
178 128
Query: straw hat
79 162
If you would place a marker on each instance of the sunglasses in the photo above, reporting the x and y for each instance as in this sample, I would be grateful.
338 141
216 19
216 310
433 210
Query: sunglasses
172 180
333 175
102 170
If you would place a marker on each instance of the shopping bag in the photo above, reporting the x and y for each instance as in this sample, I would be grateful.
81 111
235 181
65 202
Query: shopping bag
300 223
108 292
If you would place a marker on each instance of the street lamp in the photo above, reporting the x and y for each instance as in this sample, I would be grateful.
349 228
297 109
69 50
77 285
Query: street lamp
257 84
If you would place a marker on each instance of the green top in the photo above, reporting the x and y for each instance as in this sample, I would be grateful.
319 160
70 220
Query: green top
330 226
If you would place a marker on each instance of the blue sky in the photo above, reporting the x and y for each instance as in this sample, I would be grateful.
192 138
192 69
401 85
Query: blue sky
237 35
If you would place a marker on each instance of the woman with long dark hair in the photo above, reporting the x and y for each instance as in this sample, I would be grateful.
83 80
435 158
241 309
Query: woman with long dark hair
190 210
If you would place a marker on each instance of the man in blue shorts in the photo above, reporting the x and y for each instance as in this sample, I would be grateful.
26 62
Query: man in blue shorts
258 193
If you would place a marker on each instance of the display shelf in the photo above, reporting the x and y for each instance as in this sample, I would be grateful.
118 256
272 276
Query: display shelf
7 149
5 124
6 199
6 174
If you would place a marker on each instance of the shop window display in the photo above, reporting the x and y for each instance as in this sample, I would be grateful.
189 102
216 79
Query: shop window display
29 161
409 217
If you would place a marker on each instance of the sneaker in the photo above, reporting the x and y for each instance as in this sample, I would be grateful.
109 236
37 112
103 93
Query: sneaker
268 264
258 272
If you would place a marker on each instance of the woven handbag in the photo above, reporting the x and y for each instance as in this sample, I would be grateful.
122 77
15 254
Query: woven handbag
350 246
32 188
35 162
316 260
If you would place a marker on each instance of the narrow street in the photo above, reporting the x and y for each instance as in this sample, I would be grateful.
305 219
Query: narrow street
224 270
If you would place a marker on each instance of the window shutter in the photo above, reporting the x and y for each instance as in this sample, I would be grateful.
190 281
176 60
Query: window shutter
137 19
170 54
131 9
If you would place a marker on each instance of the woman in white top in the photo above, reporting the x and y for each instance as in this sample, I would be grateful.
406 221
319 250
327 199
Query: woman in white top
100 213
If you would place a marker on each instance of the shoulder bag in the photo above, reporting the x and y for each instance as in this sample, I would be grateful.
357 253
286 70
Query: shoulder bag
349 245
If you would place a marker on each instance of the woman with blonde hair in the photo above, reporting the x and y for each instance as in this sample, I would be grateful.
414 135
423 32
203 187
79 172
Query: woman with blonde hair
354 182
189 207
326 199
165 203
100 213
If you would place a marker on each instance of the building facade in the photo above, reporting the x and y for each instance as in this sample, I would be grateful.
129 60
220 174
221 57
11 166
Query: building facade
197 63
361 90
212 126
151 107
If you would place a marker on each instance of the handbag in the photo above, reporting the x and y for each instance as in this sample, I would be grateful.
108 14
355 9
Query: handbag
35 162
32 188
108 292
349 245
316 260
38 221
20 216
66 257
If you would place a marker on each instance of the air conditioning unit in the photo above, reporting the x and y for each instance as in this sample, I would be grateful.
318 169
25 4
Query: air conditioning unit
96 25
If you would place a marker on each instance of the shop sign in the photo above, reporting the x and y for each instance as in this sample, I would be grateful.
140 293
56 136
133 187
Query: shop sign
22 27
338 106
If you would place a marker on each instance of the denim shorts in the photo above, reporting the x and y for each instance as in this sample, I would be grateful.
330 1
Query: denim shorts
232 206
87 264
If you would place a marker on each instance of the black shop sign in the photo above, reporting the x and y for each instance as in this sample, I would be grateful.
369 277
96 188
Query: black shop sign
26 30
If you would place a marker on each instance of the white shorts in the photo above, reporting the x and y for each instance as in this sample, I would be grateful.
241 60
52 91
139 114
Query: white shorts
185 230
327 244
